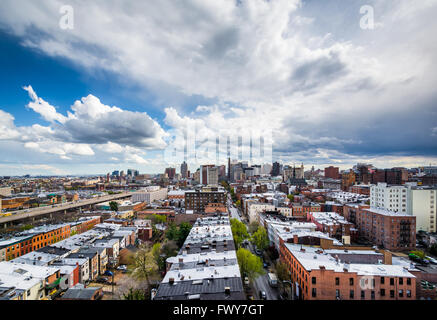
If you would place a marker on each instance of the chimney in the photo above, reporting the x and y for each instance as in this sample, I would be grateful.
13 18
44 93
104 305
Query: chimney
387 257
171 281
295 239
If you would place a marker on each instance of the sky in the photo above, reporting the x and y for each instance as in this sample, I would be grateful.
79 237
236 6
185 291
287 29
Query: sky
110 85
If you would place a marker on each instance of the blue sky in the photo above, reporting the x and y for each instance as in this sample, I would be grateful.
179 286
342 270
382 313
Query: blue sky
124 86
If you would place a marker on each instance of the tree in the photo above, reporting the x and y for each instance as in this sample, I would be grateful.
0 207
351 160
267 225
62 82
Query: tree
260 238
184 231
433 249
170 248
172 232
144 263
114 206
253 227
239 231
158 218
282 271
419 253
238 203
250 265
134 295
290 197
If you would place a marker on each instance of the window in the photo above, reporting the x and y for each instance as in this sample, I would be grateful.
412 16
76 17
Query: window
382 292
392 293
401 280
337 281
313 280
351 281
314 292
409 281
337 293
392 281
401 293
351 294
409 293
363 294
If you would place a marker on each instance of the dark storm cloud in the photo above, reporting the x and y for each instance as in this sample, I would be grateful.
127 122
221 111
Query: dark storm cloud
318 72
395 131
122 127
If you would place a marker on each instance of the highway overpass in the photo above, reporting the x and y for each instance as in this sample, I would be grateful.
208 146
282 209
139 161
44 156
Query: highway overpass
62 207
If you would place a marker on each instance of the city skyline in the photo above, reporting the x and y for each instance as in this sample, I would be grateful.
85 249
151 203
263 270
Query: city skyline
104 94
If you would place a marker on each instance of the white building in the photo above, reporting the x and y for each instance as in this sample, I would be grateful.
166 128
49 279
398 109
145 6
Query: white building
408 199
391 197
424 208
150 195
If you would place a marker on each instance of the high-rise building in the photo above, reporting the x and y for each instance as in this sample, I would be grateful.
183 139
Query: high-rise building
276 169
332 172
184 170
209 175
132 172
170 172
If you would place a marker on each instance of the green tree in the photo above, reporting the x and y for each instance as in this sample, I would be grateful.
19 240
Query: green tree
250 265
144 263
184 230
159 218
114 206
238 203
239 231
419 253
260 238
290 197
253 227
172 232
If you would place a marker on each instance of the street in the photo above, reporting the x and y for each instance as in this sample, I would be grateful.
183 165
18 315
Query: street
261 283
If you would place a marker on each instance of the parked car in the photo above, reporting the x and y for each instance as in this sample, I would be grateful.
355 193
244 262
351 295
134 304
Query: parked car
103 280
262 295
246 281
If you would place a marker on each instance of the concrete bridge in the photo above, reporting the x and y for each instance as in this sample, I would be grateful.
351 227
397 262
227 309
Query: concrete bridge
61 207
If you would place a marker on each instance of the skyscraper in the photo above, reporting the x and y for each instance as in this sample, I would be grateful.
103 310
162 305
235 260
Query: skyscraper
184 170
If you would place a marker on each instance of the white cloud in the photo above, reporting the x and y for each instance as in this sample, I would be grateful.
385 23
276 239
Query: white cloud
40 106
268 64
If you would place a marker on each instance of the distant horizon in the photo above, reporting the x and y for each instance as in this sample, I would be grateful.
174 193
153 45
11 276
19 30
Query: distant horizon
295 81
307 168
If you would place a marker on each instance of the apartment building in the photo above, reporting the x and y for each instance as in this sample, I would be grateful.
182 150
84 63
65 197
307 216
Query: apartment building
423 207
391 230
334 274
32 282
197 200
335 225
206 267
395 198
418 201
150 195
